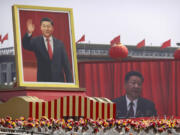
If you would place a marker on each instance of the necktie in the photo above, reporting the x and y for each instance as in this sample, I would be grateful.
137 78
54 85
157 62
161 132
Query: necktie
131 110
49 48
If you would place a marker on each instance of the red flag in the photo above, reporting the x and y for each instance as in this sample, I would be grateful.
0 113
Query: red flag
166 44
4 38
141 44
116 40
81 39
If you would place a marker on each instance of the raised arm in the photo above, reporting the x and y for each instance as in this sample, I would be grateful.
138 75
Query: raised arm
26 41
30 26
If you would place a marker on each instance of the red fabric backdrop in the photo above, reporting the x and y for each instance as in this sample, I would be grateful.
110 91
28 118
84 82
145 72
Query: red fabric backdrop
161 81
61 32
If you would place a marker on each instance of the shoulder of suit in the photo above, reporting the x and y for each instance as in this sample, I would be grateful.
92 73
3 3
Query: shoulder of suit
58 41
118 99
144 100
37 38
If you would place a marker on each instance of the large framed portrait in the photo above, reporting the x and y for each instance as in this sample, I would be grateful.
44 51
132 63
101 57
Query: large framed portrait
45 49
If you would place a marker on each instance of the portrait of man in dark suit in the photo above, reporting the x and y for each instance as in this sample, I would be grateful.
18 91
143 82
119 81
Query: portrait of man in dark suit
132 104
51 56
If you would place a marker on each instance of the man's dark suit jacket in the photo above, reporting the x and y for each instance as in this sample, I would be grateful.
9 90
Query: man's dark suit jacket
145 108
49 70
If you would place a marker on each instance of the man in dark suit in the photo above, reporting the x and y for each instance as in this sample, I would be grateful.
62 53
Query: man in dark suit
51 56
132 104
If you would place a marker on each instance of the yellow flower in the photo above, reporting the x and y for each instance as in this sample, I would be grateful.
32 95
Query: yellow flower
22 118
13 124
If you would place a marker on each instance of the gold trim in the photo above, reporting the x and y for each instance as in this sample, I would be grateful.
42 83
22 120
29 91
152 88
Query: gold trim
111 110
105 111
40 110
34 109
52 109
65 106
58 108
82 106
94 110
77 105
46 109
88 107
70 105
100 110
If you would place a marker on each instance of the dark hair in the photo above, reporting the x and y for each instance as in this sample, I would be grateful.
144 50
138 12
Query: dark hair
46 19
133 73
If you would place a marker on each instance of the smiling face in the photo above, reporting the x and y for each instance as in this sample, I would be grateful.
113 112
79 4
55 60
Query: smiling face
47 28
133 87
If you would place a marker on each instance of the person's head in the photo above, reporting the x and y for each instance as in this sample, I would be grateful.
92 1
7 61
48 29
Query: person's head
47 27
133 84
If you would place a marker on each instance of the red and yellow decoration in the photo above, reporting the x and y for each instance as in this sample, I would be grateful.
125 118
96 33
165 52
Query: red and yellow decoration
67 106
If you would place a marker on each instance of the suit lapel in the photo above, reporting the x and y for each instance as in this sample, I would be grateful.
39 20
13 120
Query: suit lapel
125 103
55 50
124 106
139 110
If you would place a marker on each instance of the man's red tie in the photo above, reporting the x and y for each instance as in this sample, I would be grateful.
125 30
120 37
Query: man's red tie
49 48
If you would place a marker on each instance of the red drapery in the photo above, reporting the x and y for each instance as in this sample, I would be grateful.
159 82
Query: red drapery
106 79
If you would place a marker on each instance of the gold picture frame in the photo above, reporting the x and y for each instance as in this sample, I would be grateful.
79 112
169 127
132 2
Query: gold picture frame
26 61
